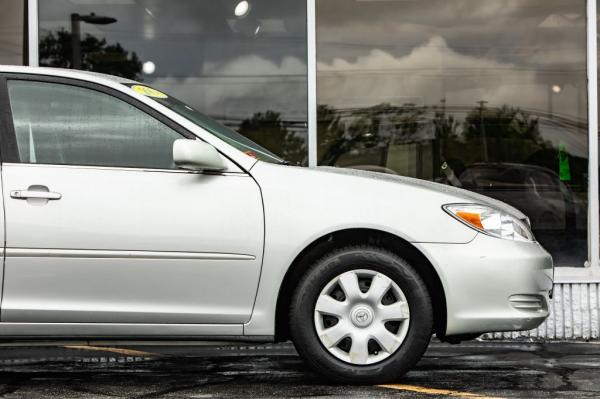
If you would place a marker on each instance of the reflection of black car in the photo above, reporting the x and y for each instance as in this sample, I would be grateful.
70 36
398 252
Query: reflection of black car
535 190
558 217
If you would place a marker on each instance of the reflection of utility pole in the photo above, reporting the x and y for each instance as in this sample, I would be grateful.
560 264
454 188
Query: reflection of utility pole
76 33
438 143
482 128
550 99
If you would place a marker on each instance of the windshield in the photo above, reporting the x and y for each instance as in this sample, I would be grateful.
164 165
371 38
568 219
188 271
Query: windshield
226 134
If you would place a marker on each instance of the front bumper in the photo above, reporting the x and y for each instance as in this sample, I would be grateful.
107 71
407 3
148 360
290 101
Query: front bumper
492 284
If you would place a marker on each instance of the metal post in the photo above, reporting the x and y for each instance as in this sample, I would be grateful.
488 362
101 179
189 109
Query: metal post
311 49
32 34
592 72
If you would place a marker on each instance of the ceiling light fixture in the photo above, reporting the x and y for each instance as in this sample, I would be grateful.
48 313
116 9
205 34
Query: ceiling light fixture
148 67
242 9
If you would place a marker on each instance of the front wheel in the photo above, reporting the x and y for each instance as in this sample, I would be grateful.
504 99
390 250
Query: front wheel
361 315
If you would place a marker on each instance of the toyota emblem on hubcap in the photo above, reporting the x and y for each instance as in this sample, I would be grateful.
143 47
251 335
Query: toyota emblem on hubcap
362 316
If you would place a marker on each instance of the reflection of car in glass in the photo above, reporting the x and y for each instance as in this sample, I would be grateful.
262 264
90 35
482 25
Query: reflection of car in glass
128 214
535 190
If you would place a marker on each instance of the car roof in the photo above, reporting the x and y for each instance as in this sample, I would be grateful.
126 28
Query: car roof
64 72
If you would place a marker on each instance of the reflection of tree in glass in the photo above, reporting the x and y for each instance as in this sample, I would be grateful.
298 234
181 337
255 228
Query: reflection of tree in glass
512 134
446 130
328 128
374 128
268 130
338 135
97 55
505 121
403 123
445 125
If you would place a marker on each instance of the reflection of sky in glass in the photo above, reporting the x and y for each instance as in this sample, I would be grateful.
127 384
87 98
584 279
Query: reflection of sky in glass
503 52
203 53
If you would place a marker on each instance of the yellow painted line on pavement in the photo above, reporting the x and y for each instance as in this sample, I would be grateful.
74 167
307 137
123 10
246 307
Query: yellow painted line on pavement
435 391
121 351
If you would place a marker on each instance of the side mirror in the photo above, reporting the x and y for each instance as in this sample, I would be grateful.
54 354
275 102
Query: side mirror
196 155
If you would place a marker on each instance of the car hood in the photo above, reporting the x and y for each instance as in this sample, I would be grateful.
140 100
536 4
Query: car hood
462 194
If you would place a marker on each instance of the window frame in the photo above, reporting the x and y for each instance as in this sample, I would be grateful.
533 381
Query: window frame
8 144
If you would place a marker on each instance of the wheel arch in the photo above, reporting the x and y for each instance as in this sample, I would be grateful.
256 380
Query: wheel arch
341 238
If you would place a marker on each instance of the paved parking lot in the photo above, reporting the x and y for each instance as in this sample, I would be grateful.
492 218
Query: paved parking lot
471 370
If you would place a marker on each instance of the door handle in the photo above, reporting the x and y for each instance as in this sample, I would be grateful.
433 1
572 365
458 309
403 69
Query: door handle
28 194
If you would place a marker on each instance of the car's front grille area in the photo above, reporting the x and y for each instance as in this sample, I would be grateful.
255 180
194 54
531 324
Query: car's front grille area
528 303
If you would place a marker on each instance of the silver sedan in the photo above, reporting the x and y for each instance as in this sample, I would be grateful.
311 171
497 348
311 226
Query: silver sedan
129 214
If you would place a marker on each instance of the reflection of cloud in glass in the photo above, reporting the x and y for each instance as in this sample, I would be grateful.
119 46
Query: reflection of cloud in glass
548 33
433 71
236 89
433 55
255 65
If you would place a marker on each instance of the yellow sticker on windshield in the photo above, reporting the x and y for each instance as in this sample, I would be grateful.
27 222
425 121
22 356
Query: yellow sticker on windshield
148 91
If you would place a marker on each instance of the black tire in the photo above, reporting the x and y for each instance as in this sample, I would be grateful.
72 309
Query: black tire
304 334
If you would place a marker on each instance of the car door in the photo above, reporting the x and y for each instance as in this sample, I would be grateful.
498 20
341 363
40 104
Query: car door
102 228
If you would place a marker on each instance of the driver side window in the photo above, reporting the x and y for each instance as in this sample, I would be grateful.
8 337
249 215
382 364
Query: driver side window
70 125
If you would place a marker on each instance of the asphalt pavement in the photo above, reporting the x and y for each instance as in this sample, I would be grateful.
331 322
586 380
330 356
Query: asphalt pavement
123 370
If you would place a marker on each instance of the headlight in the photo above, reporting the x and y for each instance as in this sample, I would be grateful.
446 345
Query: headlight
491 221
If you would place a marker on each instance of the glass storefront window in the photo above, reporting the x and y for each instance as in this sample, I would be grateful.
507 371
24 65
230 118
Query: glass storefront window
241 62
12 32
490 96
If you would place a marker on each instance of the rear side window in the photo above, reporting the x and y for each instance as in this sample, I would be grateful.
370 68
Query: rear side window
70 125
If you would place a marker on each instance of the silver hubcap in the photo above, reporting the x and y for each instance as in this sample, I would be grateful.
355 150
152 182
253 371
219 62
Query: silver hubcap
362 317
